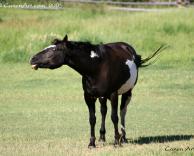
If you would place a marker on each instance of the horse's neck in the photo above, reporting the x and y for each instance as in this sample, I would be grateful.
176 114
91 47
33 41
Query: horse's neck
84 67
81 68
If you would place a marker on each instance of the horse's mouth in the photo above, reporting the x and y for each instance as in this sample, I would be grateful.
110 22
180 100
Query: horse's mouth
34 66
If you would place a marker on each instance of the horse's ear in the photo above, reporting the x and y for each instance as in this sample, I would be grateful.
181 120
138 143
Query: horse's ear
65 39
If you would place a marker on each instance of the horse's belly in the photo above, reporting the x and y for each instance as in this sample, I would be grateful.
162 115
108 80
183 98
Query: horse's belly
130 83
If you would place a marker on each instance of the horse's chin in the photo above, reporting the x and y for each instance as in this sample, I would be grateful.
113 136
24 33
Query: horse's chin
45 66
35 67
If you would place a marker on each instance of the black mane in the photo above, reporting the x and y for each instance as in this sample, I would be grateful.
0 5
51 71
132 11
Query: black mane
80 45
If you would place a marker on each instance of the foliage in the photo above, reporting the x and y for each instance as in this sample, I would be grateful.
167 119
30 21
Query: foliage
28 1
23 32
54 1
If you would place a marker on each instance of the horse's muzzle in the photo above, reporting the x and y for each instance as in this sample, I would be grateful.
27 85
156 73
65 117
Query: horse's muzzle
35 67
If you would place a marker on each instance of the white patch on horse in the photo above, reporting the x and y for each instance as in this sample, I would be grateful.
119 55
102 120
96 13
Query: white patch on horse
129 84
122 127
51 46
93 54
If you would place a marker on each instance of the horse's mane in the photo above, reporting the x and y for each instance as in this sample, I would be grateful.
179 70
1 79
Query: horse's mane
82 45
88 46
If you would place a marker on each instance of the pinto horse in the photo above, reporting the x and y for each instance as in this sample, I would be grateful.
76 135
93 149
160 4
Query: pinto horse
107 70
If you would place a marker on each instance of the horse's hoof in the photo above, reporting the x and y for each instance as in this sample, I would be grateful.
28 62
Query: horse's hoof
91 145
124 140
102 138
117 140
92 142
117 144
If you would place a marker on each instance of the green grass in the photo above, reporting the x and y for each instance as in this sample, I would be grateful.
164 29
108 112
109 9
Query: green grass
43 112
33 30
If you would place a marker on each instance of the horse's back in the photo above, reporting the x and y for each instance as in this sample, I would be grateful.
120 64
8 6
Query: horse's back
121 50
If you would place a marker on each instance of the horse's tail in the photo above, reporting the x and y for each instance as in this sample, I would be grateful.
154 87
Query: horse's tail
146 62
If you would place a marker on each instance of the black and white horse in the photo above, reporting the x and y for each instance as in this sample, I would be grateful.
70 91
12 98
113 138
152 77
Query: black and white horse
108 70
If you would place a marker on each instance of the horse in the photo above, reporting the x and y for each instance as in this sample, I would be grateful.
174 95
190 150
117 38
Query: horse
107 70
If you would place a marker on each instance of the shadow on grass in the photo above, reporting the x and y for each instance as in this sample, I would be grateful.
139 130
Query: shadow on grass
160 139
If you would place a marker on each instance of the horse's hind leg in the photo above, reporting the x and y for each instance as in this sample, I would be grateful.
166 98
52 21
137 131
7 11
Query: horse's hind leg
103 110
114 116
126 97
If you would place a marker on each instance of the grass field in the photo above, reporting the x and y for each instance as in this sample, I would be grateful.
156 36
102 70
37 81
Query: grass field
43 112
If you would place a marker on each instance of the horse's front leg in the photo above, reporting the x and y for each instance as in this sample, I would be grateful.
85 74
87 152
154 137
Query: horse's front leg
90 101
114 116
103 110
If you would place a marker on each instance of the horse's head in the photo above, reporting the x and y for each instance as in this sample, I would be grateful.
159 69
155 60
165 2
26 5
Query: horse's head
51 57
